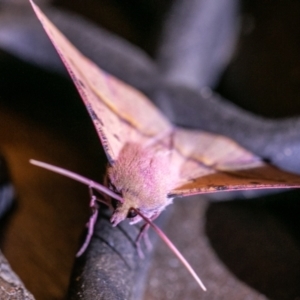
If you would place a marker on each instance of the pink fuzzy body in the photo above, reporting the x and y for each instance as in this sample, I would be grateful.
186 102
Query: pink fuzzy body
144 177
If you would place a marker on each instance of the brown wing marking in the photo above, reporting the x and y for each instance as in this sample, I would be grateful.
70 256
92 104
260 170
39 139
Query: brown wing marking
262 177
210 163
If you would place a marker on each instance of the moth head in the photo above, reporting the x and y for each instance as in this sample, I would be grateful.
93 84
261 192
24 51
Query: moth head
127 210
123 212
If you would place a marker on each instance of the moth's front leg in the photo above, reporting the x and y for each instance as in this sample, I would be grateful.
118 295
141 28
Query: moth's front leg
143 234
94 206
90 224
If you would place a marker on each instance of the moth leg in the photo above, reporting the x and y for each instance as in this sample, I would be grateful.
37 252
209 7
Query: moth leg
143 234
94 205
147 241
104 198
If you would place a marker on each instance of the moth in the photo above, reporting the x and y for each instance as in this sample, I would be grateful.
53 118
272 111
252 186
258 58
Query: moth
151 161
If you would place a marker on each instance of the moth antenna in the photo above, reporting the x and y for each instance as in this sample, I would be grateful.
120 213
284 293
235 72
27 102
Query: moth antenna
172 248
84 180
107 191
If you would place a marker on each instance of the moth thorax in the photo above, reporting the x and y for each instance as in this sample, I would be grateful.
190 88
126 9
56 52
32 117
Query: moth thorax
143 177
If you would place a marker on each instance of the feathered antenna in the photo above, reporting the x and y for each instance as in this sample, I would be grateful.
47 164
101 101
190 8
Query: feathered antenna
99 187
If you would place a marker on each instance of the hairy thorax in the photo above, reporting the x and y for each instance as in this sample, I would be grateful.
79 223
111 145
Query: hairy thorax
143 176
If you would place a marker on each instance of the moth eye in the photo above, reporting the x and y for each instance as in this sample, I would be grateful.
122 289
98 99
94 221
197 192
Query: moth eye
131 213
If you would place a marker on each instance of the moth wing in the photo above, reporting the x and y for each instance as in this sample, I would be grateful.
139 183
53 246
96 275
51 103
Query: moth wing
206 162
120 113
210 163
